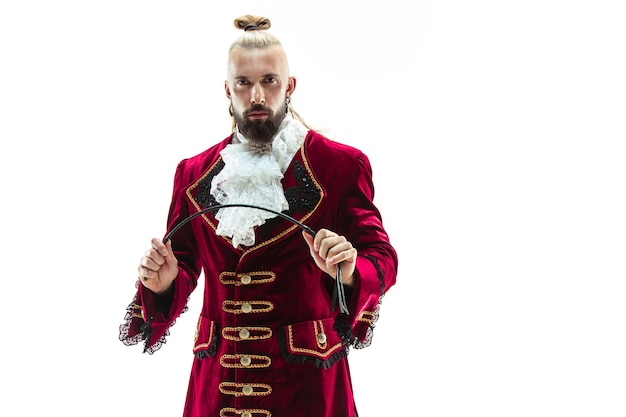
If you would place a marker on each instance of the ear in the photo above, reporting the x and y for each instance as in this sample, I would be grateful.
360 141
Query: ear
227 89
291 86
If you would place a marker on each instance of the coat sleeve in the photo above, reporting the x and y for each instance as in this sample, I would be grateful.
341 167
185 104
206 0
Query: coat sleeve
149 317
377 261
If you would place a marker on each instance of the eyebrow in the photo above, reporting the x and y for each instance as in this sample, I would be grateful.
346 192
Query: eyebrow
243 77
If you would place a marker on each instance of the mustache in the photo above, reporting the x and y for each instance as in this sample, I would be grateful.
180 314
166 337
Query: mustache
258 107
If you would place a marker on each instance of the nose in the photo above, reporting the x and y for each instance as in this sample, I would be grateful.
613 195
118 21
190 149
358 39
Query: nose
258 96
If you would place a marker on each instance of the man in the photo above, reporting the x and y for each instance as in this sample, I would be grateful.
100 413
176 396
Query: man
281 307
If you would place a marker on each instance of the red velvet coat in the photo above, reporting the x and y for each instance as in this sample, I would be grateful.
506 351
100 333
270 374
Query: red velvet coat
267 342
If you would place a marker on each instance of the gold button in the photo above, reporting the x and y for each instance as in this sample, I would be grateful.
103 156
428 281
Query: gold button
246 414
246 279
244 333
246 307
245 360
321 338
247 390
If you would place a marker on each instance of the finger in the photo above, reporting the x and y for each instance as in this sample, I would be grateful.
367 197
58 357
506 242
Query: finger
169 256
320 236
331 245
152 264
153 255
144 273
346 255
160 247
309 240
338 248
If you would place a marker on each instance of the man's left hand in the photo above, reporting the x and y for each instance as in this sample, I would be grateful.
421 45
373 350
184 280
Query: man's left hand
328 250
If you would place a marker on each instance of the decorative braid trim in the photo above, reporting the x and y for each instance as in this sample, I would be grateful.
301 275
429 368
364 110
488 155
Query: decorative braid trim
232 412
300 359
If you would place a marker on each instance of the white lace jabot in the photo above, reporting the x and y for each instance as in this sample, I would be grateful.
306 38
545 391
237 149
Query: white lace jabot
253 176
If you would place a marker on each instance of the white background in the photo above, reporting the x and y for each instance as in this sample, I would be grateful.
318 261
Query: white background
496 133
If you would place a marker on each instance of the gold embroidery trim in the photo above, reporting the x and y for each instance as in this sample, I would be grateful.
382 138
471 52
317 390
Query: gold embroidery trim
256 333
258 306
233 361
232 412
366 316
319 332
258 277
209 340
236 389
137 312
309 351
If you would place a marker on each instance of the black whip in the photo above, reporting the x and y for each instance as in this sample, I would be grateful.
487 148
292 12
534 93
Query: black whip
338 292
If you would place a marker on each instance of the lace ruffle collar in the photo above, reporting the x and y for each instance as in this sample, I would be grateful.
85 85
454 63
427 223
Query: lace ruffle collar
252 175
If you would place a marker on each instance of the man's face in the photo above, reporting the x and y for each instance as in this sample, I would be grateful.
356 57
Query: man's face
257 85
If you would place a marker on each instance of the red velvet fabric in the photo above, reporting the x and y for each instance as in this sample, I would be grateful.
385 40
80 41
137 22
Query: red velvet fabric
267 341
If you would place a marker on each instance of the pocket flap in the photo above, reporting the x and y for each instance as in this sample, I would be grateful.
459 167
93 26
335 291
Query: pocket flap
314 341
205 341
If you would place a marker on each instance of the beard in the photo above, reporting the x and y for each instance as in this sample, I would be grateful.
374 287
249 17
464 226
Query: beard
259 132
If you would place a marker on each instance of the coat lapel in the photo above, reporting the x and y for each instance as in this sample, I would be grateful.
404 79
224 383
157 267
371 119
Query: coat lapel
302 191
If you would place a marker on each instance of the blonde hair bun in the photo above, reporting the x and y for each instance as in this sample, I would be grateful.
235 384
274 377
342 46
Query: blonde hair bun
250 22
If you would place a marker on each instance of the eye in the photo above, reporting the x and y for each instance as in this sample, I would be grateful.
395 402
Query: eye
242 82
271 80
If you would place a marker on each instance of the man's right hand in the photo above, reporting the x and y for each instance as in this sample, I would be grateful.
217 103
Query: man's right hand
158 267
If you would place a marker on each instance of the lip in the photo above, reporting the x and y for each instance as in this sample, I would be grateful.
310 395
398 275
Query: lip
257 114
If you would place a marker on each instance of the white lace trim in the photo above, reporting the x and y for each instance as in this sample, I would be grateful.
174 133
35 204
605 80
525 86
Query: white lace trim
253 176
